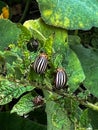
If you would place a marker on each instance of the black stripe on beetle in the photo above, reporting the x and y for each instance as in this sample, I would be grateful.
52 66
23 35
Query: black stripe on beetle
61 78
40 63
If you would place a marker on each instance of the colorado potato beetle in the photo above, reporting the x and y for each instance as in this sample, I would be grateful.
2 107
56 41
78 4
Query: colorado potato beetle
38 100
32 45
61 78
40 63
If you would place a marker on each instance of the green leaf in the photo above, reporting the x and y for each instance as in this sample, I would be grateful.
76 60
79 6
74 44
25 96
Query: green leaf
36 30
93 116
75 72
70 14
10 57
84 119
57 118
9 33
24 105
39 30
89 62
48 45
10 90
24 36
13 122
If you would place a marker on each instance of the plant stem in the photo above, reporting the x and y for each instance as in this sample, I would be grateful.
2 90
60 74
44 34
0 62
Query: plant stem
71 96
92 106
83 102
25 11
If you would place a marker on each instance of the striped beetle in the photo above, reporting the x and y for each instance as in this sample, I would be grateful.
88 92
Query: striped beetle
61 78
40 63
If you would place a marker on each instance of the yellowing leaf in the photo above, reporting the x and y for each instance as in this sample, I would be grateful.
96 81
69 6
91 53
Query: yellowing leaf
70 14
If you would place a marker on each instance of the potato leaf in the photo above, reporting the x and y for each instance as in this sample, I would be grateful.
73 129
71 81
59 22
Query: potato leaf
89 63
70 14
9 33
24 105
10 90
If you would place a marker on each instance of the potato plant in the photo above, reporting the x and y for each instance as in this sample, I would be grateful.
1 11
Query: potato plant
49 68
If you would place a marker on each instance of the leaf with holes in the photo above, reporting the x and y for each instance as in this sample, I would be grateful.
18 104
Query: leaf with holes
10 90
24 105
56 116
